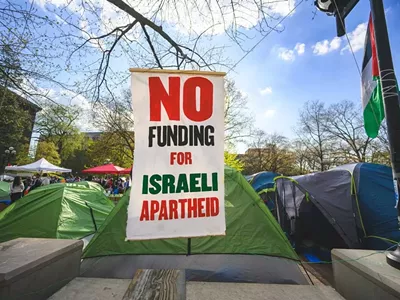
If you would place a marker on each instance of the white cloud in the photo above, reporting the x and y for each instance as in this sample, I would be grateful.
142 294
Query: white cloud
300 48
325 46
290 54
187 16
243 93
335 43
281 8
265 91
321 48
73 5
357 38
68 98
269 113
286 54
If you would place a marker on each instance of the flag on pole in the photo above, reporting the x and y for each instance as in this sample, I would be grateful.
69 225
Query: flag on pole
371 88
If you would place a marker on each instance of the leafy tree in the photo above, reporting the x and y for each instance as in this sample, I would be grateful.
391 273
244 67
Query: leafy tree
110 146
48 150
269 152
23 156
379 148
10 69
231 160
57 124
380 153
116 121
13 120
80 159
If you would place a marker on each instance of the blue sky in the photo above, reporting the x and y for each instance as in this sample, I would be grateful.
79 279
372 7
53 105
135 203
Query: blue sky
304 62
330 77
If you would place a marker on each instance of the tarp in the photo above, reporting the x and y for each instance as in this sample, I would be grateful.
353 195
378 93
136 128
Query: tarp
355 202
376 198
263 183
12 174
107 169
251 229
6 177
262 180
38 166
205 268
62 210
254 249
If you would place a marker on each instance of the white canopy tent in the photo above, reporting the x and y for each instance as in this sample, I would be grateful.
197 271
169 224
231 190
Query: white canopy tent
6 177
38 166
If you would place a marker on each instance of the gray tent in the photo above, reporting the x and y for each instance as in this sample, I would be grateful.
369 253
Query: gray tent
350 206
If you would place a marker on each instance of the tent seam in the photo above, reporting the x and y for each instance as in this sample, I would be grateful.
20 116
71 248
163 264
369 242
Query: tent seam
275 224
353 183
60 209
382 238
324 212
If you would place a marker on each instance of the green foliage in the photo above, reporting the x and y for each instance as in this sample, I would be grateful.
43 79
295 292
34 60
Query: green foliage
69 145
110 146
381 157
13 121
230 159
23 157
57 124
57 120
80 158
48 151
10 67
113 147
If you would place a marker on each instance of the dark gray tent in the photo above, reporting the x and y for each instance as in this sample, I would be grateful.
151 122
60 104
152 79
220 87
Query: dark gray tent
350 206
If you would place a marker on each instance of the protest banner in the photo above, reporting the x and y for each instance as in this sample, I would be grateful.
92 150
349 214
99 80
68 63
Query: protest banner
178 174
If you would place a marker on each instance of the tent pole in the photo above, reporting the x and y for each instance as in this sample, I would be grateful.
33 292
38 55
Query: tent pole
391 102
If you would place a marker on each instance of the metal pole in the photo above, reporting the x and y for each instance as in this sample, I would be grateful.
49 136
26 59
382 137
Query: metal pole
390 98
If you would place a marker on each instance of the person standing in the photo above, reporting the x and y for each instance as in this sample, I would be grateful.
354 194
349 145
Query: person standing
28 183
36 183
127 183
16 189
45 179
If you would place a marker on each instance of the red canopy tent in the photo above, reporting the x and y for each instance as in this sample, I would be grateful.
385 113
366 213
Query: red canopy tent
107 169
128 170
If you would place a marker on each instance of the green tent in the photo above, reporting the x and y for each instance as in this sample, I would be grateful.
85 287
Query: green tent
4 190
62 210
250 230
86 184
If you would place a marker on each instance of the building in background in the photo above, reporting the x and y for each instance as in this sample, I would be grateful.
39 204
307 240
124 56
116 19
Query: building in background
93 135
17 118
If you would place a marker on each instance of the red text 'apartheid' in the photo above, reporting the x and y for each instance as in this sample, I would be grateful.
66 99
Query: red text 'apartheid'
179 209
